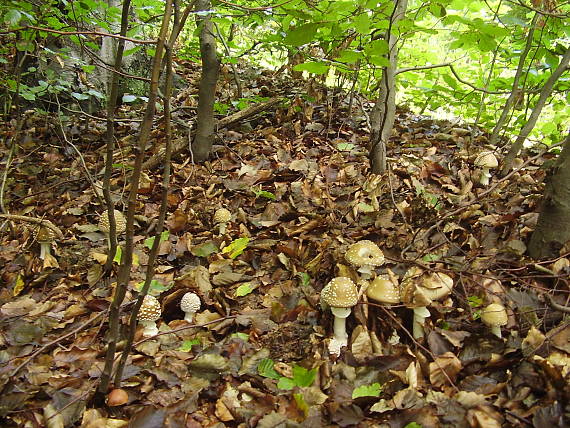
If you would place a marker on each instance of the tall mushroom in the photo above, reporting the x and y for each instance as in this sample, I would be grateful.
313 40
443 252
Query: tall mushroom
495 316
148 314
222 216
486 160
340 294
365 256
120 224
45 237
419 290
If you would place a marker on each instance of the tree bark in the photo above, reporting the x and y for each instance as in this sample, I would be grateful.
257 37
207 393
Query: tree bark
515 91
384 111
552 231
204 139
529 125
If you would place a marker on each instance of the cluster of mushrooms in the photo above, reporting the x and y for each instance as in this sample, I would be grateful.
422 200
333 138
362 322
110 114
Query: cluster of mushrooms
150 311
418 290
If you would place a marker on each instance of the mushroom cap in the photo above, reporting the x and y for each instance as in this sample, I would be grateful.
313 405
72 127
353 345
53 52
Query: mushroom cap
45 234
340 292
421 289
120 222
364 253
437 285
494 315
222 215
486 160
150 309
190 302
383 290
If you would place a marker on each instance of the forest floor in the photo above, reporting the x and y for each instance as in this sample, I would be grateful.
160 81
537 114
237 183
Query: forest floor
296 182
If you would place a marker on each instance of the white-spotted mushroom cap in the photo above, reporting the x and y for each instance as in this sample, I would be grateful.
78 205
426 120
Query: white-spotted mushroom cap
340 292
383 290
222 215
120 222
364 253
190 304
494 316
148 314
486 160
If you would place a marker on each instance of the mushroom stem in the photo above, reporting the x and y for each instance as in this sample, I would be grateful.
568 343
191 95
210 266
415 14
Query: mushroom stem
485 176
339 329
496 330
419 320
150 328
45 249
189 317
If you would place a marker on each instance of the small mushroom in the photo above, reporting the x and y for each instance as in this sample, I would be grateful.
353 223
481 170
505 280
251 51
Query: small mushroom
365 256
190 304
222 216
494 316
45 237
120 223
340 294
486 160
382 290
148 314
419 290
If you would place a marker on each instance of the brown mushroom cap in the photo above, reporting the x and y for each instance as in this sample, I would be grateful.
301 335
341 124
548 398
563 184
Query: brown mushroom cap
437 285
190 302
45 234
222 215
120 222
486 160
494 315
364 253
340 292
383 290
150 309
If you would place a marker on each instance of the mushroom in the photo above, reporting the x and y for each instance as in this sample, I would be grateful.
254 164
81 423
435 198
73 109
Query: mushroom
486 161
340 294
222 216
45 237
420 290
190 304
148 314
120 224
365 256
382 290
494 316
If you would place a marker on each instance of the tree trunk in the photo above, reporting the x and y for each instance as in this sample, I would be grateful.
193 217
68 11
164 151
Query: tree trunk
529 125
384 111
553 228
202 144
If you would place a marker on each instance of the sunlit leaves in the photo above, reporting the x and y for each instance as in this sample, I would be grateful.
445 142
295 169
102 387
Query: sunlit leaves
372 390
236 247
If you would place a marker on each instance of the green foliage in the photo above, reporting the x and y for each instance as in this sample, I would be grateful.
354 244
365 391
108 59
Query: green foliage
301 376
187 345
236 247
156 288
262 193
204 249
372 390
150 241
244 290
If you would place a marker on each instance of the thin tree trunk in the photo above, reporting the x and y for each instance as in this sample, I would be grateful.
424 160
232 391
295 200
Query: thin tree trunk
515 90
553 228
204 139
529 125
384 111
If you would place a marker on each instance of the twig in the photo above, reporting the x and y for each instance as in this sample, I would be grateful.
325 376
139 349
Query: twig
35 220
78 33
556 306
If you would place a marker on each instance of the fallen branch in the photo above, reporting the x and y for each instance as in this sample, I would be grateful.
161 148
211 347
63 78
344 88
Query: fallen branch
556 306
182 143
35 220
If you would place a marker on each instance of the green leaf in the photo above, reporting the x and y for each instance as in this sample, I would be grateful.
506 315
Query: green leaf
242 336
301 403
79 96
204 249
303 377
244 290
413 425
285 383
236 247
345 147
304 277
118 253
315 67
475 301
265 369
12 17
187 345
373 390
301 35
155 289
263 193
163 237
362 23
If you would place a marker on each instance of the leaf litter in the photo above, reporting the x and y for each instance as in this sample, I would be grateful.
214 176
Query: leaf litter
296 183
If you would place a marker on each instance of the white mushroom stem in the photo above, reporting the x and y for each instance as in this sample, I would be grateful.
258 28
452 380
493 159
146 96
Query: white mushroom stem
339 327
366 272
485 176
222 228
189 317
45 250
150 328
496 330
419 321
